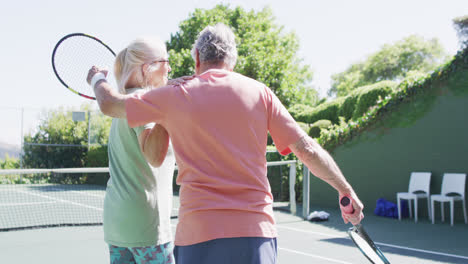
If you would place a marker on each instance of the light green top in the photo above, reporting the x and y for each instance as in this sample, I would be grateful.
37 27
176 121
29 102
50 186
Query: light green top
138 202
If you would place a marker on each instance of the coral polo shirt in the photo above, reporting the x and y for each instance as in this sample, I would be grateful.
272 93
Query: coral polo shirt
218 124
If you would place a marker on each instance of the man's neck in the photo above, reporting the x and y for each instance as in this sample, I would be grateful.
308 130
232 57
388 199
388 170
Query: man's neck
210 66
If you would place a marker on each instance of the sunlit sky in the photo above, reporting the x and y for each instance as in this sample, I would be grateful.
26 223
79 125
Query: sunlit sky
332 34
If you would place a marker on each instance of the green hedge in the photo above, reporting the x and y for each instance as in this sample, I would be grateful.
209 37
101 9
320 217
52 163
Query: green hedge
351 106
318 126
367 96
304 126
9 163
327 111
299 111
97 156
405 92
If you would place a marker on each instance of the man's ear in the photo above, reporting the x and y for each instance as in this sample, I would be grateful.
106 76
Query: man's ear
197 59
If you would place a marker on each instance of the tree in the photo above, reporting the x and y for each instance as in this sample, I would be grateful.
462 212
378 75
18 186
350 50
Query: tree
265 53
61 142
461 26
9 163
394 62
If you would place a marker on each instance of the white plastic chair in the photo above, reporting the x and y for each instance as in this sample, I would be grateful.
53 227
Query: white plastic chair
453 189
419 188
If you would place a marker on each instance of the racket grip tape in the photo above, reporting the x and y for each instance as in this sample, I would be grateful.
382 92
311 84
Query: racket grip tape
346 204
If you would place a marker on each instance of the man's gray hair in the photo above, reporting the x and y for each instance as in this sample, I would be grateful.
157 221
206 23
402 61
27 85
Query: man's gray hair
216 44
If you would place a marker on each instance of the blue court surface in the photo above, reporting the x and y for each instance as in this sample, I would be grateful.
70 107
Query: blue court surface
299 242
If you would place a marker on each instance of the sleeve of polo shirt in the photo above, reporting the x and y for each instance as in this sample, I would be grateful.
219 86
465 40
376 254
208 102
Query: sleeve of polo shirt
144 108
283 129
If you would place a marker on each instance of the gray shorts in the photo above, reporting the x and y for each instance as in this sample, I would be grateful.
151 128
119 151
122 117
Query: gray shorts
246 250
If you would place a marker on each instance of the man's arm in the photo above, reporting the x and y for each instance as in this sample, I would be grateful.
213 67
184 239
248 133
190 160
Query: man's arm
154 144
322 165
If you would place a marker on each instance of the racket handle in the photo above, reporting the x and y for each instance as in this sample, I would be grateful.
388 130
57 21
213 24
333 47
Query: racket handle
346 204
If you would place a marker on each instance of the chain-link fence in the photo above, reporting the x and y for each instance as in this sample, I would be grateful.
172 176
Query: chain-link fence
53 128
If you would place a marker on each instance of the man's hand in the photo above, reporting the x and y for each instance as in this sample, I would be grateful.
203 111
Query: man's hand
356 215
180 80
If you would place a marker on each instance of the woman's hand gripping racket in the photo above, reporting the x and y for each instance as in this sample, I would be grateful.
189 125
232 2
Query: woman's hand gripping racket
74 55
361 238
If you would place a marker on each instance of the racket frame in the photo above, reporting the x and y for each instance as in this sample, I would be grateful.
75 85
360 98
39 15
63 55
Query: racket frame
347 205
360 231
53 60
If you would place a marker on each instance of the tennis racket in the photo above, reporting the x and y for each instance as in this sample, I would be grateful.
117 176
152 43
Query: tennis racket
361 238
74 55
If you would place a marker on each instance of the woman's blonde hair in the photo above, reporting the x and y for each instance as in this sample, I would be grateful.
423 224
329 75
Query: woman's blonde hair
129 61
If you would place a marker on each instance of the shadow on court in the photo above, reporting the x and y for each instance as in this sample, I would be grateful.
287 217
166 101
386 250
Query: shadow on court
390 250
401 241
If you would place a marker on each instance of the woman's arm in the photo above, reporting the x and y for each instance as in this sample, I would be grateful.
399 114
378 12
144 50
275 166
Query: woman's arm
109 100
154 144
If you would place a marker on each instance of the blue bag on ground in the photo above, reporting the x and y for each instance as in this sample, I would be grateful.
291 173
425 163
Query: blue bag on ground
388 209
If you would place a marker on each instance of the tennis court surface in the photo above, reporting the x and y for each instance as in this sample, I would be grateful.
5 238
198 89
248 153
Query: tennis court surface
299 242
61 223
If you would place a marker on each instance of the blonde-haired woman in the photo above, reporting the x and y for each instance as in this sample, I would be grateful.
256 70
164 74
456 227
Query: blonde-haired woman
138 201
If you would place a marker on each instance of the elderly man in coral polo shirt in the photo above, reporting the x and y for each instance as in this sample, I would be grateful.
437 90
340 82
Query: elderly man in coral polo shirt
218 123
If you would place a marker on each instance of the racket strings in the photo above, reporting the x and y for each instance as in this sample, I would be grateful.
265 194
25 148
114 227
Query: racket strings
75 56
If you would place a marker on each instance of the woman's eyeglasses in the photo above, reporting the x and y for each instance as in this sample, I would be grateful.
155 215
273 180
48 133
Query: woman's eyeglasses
156 61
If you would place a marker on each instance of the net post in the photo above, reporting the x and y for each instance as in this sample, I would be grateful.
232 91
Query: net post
292 192
22 141
89 128
281 181
305 192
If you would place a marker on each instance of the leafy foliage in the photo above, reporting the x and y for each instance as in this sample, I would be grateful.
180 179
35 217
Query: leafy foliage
9 163
304 126
300 112
351 106
367 96
97 156
265 53
461 26
61 142
318 126
412 87
393 62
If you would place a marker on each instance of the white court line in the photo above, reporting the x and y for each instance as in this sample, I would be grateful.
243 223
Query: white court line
79 192
65 189
307 231
60 200
422 250
314 256
20 204
378 243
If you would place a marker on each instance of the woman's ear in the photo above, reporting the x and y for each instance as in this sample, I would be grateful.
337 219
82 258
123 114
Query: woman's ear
144 70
